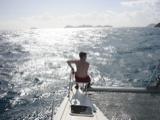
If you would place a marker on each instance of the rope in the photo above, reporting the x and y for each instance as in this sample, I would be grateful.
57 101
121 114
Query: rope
154 73
70 84
52 107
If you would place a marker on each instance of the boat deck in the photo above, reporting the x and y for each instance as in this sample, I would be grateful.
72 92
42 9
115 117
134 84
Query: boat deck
77 99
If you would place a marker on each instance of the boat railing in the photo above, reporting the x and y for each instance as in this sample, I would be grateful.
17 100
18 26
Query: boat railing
53 107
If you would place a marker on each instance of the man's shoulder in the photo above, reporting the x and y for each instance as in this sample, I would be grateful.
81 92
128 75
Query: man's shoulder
77 61
87 63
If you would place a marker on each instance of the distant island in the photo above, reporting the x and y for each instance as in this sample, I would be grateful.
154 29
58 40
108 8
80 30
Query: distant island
87 26
157 25
151 25
33 28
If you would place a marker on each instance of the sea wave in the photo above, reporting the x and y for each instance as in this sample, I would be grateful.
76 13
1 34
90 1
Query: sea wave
33 69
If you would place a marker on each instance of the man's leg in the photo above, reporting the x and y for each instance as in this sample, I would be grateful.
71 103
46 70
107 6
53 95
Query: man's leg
89 85
89 82
76 86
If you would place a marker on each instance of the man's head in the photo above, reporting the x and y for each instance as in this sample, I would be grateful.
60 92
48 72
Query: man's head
83 55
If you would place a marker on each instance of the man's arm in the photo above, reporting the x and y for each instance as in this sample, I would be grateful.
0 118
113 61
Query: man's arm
87 66
71 62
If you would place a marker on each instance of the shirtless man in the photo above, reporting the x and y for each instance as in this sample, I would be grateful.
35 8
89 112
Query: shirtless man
81 75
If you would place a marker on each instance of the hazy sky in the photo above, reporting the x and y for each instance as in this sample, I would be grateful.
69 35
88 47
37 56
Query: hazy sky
58 13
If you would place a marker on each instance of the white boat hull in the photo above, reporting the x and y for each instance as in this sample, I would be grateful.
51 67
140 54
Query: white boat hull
77 98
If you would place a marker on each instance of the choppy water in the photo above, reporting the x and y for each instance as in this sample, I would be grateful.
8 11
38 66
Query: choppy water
33 70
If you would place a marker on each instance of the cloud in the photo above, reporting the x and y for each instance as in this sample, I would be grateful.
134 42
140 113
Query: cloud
134 2
146 11
95 18
133 13
153 5
139 2
50 20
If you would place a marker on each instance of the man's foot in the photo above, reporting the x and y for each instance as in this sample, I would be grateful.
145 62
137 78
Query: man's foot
157 86
87 86
76 87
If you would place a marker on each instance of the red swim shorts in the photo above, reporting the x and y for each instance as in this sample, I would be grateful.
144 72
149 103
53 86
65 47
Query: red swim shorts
82 79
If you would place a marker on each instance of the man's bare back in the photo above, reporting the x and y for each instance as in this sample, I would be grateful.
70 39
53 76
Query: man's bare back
82 68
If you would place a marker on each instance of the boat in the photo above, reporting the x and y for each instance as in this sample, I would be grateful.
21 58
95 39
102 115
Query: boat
77 105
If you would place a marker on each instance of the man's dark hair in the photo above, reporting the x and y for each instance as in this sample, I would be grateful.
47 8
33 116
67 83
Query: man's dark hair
82 54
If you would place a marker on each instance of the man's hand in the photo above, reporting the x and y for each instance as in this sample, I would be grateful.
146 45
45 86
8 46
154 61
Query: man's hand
69 63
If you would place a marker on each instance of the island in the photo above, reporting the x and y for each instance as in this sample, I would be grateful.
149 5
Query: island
157 25
33 28
87 26
151 25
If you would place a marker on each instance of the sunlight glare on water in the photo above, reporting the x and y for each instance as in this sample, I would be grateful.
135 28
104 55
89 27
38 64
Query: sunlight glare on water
34 70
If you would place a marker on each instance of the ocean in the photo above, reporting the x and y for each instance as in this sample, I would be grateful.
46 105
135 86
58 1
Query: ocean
34 73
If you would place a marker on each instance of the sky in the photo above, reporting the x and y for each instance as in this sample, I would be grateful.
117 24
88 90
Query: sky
59 13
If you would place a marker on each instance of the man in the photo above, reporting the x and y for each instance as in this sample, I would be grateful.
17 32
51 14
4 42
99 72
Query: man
81 74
